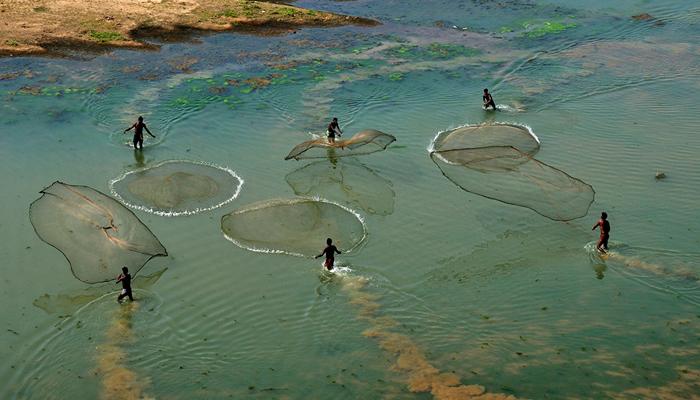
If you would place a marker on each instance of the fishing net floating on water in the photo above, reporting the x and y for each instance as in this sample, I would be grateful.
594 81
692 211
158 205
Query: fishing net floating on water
487 161
349 183
488 135
174 188
293 226
96 234
363 142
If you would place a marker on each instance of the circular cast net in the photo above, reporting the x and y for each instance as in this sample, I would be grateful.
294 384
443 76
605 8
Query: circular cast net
363 142
507 173
293 226
174 188
96 234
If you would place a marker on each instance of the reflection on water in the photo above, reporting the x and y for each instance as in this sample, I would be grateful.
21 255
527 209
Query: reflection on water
349 182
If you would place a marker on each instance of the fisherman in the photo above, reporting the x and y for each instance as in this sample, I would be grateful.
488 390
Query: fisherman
488 100
125 279
329 251
333 128
138 127
604 226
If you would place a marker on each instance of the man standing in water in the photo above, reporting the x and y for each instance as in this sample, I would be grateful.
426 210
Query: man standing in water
329 251
138 128
125 279
333 127
604 226
488 100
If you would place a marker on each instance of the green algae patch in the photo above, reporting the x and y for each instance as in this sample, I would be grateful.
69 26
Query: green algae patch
106 36
537 29
434 51
546 28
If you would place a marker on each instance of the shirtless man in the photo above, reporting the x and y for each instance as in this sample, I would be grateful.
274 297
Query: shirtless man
125 279
329 251
604 226
488 100
138 128
333 127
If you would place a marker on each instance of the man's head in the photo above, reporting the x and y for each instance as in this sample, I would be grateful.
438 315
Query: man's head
140 118
329 241
486 91
125 270
604 215
335 119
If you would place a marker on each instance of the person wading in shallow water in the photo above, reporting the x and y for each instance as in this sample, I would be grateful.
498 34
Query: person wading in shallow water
125 279
329 251
138 128
604 226
333 128
488 100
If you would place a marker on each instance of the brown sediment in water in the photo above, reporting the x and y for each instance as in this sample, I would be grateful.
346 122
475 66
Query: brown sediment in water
58 28
118 381
410 360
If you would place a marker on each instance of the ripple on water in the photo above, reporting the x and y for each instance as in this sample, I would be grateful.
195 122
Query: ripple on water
664 270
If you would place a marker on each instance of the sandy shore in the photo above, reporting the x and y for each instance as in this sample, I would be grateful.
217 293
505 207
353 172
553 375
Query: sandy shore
53 27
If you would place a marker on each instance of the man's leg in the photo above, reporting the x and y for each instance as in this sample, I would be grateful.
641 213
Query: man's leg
131 297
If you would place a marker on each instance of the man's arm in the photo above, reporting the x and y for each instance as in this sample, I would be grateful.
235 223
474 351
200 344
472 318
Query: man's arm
337 251
120 278
149 132
129 128
596 225
322 253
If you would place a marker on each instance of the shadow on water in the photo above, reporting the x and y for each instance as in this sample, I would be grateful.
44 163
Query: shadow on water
348 182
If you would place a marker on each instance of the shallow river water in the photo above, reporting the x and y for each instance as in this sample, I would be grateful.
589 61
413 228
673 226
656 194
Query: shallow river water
486 293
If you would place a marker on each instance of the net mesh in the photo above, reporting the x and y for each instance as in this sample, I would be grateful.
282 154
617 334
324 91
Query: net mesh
363 142
349 183
503 172
293 226
177 188
96 234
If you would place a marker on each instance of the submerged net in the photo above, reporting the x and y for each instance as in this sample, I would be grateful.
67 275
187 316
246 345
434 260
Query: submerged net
96 234
293 226
349 183
501 171
363 142
176 188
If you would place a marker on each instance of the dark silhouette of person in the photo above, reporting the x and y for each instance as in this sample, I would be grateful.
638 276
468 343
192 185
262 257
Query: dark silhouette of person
125 279
138 128
604 226
329 251
333 128
488 100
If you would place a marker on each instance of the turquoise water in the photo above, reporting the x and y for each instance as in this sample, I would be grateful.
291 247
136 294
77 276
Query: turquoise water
494 293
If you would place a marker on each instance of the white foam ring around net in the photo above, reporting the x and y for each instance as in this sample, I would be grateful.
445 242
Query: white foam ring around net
176 213
431 145
266 204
